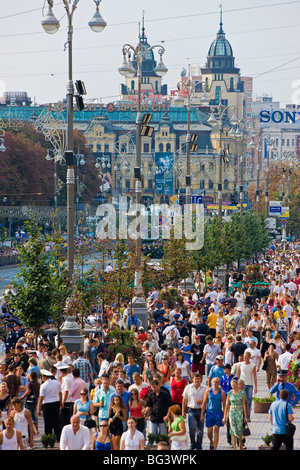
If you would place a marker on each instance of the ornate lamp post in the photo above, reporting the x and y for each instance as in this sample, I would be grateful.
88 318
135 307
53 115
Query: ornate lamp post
127 69
51 26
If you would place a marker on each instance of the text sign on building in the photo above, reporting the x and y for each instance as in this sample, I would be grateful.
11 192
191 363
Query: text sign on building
278 116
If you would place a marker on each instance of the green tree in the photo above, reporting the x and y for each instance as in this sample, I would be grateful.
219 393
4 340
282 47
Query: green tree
33 294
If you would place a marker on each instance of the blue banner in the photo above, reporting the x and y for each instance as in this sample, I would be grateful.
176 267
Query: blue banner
164 179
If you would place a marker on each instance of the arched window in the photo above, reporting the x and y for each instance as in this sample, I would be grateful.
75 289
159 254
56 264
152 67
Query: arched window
231 84
226 184
210 184
168 147
132 85
161 147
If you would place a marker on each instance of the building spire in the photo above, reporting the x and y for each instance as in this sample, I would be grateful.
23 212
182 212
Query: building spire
143 37
221 19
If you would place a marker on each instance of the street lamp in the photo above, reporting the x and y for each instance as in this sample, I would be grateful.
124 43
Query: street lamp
51 26
217 113
79 157
53 155
128 70
270 148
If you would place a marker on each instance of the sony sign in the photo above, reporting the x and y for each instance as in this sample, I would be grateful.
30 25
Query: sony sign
279 116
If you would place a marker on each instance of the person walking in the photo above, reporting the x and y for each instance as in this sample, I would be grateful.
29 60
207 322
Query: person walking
31 397
177 429
132 439
102 440
75 436
280 411
10 438
236 412
213 407
192 399
50 399
247 372
86 371
23 421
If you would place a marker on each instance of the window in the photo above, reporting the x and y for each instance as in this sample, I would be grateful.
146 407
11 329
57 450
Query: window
202 184
218 94
226 184
146 147
168 147
150 184
231 83
287 142
127 184
210 184
161 147
282 142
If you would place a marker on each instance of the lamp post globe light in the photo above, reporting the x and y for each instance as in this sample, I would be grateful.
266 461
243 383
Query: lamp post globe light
217 113
51 26
127 69
188 87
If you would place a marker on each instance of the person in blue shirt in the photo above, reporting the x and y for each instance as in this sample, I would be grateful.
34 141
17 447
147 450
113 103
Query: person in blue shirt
131 368
216 370
227 378
132 320
294 395
279 411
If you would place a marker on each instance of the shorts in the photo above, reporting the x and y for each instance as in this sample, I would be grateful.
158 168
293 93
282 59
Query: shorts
213 418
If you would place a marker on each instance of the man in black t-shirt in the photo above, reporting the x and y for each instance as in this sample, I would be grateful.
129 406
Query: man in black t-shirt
197 354
238 348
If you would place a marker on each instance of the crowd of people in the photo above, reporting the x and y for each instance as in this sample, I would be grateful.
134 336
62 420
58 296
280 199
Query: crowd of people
201 357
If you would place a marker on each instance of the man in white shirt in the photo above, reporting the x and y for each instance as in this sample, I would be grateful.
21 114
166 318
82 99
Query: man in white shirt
240 296
74 436
255 354
285 358
192 401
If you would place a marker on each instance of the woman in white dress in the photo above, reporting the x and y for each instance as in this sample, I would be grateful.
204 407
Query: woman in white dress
132 439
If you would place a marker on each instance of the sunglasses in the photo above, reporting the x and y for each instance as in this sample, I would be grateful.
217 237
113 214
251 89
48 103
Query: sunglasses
103 425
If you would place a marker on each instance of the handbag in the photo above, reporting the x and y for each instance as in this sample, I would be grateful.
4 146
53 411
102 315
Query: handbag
246 430
290 428
90 422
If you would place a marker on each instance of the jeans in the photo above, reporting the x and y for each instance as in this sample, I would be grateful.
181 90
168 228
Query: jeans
195 429
158 428
249 393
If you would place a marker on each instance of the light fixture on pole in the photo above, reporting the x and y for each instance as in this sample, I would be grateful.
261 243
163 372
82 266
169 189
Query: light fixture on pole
51 26
128 70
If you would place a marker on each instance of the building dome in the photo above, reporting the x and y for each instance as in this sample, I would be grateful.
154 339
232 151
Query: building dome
220 46
220 56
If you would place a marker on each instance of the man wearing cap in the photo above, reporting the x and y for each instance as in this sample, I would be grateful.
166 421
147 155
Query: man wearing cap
216 370
282 383
66 380
239 319
50 399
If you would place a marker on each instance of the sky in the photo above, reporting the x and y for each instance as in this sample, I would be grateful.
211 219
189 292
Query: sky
263 34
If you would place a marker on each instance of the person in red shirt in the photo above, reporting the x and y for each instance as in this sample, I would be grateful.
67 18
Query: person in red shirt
142 335
178 384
